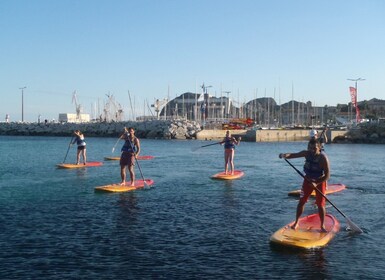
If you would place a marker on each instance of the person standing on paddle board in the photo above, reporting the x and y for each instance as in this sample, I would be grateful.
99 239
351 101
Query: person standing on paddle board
323 139
229 141
317 170
79 140
130 151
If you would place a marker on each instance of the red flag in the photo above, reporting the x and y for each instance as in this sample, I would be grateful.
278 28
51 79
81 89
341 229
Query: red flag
353 94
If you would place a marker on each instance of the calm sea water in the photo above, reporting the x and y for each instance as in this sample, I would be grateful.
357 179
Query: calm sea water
187 226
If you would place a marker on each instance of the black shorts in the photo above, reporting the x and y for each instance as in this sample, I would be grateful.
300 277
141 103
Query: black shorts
127 159
81 148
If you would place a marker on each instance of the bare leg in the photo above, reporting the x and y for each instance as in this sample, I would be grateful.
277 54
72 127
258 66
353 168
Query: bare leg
300 208
226 161
231 158
78 156
123 175
84 156
322 213
132 175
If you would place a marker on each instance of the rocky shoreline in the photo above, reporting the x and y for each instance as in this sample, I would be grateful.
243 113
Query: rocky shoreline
365 133
154 129
368 133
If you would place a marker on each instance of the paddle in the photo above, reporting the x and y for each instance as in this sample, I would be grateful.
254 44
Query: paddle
320 137
113 149
69 146
196 148
352 225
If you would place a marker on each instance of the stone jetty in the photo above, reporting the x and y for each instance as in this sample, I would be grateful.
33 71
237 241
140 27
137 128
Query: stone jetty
184 129
153 129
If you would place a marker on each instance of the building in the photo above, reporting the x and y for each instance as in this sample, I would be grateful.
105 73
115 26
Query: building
73 118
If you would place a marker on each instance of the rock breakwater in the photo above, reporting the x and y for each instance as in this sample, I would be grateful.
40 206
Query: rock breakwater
154 129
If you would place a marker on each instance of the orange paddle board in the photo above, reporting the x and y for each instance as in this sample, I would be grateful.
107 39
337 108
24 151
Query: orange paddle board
308 234
332 188
126 188
223 176
80 165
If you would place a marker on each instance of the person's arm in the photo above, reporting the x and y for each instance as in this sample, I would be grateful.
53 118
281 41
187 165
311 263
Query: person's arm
237 141
137 144
325 138
293 155
326 167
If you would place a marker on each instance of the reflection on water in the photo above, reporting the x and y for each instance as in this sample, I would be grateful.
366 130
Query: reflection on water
187 226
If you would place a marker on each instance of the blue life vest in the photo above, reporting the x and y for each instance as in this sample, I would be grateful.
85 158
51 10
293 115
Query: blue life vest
229 143
312 167
129 145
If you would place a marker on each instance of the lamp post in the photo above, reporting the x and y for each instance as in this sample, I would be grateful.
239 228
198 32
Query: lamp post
22 103
356 80
227 104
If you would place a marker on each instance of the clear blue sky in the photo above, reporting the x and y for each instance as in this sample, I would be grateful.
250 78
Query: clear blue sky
156 48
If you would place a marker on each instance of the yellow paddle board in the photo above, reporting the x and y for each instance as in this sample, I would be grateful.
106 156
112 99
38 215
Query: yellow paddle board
332 188
80 165
223 176
308 233
125 188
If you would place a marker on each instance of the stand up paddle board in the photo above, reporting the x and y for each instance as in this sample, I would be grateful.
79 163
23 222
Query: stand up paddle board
223 176
80 165
308 233
332 188
126 188
138 158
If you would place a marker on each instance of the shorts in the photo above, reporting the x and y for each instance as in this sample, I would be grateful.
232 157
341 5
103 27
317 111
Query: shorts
81 148
127 159
307 189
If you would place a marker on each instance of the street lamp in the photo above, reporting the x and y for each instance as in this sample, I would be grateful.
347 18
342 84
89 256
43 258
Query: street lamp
356 80
22 103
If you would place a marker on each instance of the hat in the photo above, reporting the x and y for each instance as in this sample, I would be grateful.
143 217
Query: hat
313 133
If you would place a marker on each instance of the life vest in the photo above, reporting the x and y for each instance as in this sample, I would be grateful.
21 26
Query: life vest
229 143
129 145
312 167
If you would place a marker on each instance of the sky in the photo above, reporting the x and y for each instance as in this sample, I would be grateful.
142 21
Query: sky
143 50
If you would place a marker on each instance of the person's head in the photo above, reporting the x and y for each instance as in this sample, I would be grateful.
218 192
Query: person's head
77 132
313 133
314 146
228 133
131 130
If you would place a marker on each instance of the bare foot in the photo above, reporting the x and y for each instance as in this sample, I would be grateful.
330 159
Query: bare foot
122 183
294 226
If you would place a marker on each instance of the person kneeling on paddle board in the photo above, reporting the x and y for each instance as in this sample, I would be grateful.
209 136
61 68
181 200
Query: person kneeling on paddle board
130 151
317 172
79 140
230 143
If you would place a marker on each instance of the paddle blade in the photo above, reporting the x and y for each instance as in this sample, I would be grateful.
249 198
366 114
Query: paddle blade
353 226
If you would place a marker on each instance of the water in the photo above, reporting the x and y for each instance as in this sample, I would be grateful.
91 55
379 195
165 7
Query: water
54 226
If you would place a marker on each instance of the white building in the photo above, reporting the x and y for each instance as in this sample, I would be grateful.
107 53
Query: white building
73 118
